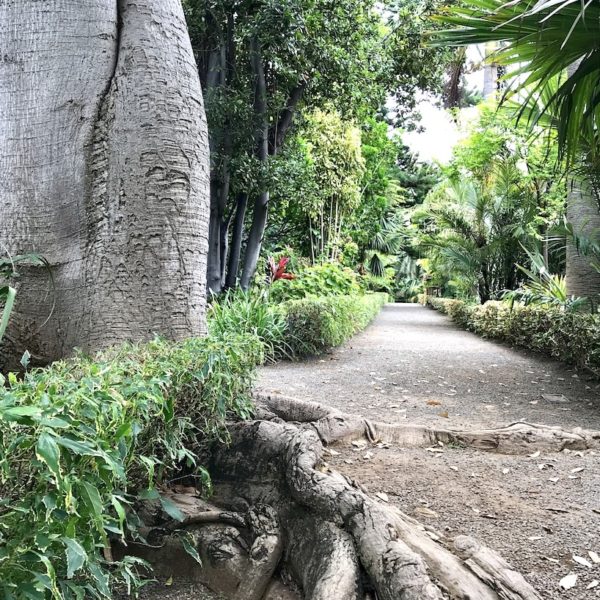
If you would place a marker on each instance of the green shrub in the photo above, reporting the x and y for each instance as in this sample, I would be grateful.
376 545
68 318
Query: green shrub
318 324
565 335
252 313
80 439
320 280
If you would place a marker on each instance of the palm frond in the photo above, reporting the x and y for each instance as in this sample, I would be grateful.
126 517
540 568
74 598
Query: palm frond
541 42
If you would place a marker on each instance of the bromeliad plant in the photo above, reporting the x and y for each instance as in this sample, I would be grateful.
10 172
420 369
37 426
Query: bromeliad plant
277 269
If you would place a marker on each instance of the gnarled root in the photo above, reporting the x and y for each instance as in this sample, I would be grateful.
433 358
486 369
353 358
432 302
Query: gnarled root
335 426
283 516
402 560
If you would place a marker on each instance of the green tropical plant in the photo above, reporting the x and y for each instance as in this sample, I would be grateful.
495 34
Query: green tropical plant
471 230
542 287
387 242
587 244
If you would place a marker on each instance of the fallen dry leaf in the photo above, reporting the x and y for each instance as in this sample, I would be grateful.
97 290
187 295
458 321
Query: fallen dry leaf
444 414
368 456
593 584
582 561
425 512
594 556
434 403
535 454
554 398
568 582
578 470
382 496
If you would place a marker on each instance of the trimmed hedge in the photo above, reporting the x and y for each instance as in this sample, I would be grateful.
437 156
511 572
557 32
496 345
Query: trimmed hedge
80 438
568 336
316 325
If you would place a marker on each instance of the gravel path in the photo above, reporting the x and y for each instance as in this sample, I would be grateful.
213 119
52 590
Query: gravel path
414 364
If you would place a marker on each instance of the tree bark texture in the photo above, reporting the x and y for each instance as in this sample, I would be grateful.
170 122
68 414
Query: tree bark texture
103 171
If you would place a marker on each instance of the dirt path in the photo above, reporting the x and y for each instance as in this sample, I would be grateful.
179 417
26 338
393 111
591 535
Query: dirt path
413 364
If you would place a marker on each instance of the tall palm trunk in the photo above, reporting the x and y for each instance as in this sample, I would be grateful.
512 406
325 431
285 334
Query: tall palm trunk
103 171
583 213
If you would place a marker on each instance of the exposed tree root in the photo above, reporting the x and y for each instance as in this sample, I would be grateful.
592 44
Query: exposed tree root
280 515
335 426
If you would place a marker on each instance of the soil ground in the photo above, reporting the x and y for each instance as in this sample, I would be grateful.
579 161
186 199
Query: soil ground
413 364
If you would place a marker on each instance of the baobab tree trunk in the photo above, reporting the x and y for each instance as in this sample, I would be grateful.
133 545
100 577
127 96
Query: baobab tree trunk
103 171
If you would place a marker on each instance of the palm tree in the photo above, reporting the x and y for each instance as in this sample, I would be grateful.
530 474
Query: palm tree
475 232
553 48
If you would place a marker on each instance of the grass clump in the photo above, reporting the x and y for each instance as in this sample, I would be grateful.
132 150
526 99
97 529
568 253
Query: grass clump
254 314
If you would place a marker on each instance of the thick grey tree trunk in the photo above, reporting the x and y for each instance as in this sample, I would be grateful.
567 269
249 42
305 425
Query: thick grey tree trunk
103 171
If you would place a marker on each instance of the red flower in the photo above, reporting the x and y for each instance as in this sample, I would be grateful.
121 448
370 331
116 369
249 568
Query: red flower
277 270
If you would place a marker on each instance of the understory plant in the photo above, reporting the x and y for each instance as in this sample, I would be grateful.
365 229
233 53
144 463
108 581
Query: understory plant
82 440
319 280
543 288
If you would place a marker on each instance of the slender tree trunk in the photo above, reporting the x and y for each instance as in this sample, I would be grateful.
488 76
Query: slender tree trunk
261 204
584 214
268 142
237 234
103 171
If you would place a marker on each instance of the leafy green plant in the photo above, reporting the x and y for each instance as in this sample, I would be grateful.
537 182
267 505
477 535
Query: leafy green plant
83 439
543 287
320 280
586 244
408 289
540 41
